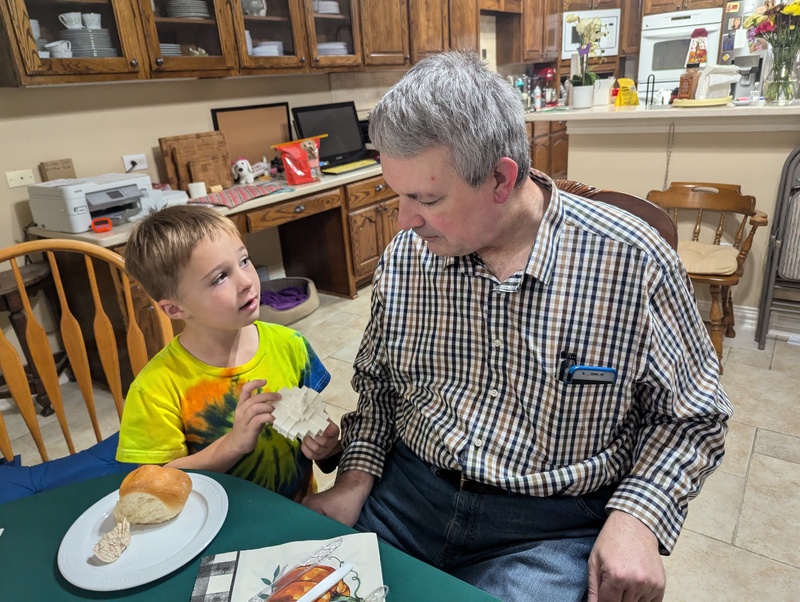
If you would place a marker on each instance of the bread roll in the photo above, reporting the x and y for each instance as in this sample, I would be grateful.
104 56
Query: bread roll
152 494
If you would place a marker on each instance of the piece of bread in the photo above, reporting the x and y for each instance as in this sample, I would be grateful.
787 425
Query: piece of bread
152 494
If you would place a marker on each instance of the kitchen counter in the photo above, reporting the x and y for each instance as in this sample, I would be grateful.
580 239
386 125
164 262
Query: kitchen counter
118 235
638 149
705 118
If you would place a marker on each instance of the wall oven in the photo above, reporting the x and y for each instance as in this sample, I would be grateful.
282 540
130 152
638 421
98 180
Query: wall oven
665 44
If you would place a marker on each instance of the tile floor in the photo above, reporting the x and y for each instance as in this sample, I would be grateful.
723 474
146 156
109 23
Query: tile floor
740 539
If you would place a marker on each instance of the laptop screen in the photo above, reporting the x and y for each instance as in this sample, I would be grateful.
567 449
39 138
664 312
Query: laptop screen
340 121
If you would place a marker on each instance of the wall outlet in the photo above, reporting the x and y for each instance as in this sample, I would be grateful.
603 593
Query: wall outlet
21 177
134 162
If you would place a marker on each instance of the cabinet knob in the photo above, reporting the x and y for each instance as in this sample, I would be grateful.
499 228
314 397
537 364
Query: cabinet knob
134 63
316 59
300 209
407 57
302 60
159 61
379 187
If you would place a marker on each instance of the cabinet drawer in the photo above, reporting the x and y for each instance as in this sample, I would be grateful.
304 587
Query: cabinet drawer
366 192
289 211
541 128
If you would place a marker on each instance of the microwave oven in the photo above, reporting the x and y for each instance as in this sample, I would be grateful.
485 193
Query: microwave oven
609 43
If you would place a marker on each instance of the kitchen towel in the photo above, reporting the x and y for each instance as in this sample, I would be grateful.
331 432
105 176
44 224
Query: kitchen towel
236 195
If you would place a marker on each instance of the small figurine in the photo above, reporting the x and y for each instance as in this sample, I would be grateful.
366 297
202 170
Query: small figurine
243 172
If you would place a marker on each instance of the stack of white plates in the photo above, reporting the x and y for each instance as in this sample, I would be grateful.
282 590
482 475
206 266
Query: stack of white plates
40 44
89 42
333 49
272 48
170 49
328 7
187 9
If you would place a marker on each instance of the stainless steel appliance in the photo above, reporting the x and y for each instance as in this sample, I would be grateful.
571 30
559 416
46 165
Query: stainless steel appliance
665 44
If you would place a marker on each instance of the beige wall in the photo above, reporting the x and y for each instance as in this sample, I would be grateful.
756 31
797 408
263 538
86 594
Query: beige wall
636 163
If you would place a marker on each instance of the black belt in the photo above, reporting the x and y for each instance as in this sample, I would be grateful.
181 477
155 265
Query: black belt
457 480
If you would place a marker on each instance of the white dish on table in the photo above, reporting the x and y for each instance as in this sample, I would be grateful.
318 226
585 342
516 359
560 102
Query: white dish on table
154 551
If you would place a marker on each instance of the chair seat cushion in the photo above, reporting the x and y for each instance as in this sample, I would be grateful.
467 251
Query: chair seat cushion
701 258
20 481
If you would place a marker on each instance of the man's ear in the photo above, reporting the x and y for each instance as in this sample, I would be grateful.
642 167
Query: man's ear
173 309
505 175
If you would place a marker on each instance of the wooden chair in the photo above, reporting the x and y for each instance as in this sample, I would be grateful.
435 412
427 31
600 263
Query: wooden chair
641 208
101 315
718 266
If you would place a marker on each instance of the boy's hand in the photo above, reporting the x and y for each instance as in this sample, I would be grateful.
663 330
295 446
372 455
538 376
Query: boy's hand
323 445
253 411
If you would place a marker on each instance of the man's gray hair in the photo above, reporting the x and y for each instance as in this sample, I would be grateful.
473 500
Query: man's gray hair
452 99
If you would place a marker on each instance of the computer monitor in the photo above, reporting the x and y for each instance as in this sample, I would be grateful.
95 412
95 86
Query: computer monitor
340 121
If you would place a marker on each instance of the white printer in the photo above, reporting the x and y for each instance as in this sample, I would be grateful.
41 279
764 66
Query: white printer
70 204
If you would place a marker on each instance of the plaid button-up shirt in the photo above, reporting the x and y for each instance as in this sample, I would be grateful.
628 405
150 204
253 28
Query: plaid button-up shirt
465 369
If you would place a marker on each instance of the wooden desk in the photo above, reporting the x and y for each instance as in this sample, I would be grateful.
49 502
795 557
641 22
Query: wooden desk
312 221
34 527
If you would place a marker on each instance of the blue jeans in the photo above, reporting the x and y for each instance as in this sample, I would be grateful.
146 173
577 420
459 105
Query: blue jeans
515 547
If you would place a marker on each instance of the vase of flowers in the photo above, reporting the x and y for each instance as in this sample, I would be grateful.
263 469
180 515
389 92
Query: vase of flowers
590 31
779 26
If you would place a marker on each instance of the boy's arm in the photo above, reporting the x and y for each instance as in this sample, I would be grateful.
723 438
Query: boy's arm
252 412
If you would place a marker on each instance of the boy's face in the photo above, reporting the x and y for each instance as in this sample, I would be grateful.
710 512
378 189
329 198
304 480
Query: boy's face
219 288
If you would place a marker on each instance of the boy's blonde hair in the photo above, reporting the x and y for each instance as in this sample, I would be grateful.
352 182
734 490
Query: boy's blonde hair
161 245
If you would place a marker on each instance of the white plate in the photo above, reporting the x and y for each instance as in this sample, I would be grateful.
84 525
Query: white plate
742 103
154 551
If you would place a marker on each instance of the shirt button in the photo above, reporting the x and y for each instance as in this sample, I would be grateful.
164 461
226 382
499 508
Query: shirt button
494 393
497 342
478 443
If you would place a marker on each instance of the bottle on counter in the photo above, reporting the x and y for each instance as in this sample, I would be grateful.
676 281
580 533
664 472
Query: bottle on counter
537 97
688 82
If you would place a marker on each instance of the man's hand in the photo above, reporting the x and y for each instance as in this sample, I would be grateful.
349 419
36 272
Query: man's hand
343 501
625 565
322 446
253 411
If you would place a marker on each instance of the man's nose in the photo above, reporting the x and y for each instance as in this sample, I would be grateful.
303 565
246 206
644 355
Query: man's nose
407 217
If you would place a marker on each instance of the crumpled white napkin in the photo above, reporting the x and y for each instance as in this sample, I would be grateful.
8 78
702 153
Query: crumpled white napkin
300 412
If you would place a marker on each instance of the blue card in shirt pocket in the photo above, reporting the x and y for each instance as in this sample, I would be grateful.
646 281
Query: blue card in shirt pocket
590 375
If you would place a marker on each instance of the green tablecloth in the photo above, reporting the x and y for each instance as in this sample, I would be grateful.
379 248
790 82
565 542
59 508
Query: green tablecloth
34 527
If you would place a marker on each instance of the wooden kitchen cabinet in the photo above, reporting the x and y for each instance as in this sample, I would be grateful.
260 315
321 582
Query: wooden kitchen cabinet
191 42
465 25
428 28
559 149
631 31
574 5
541 30
384 32
122 54
654 7
326 30
282 27
373 210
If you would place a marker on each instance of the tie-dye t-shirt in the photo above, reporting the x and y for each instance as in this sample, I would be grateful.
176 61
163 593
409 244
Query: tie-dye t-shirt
178 405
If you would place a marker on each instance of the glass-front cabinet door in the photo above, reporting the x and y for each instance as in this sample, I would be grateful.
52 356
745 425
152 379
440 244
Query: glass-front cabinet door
68 40
270 33
190 36
333 33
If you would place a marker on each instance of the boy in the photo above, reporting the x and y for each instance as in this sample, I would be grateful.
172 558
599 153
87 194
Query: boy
203 401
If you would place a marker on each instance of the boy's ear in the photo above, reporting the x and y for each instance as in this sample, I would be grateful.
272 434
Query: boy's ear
173 309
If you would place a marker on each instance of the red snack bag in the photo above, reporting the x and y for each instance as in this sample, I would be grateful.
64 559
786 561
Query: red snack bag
301 160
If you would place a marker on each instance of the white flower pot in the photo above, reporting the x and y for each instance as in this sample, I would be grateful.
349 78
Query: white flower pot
582 97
